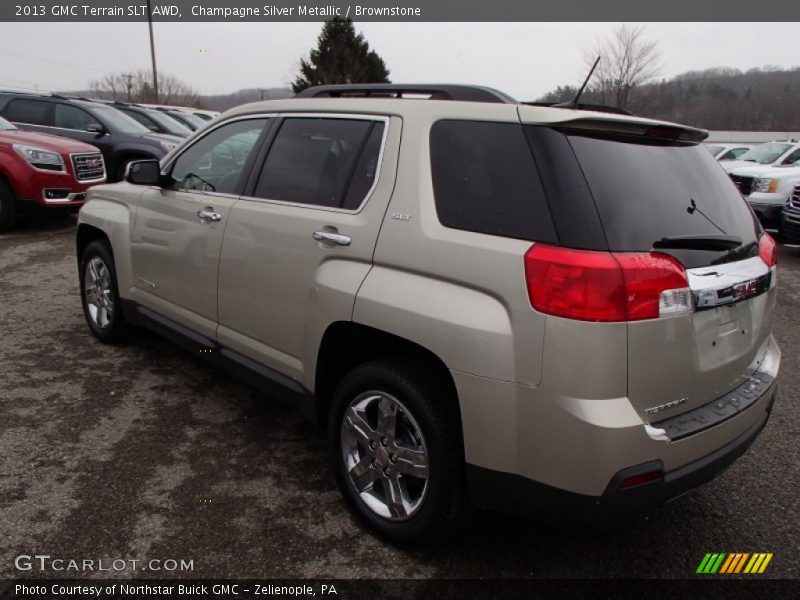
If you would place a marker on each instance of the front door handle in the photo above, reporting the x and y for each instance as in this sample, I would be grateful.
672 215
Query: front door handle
337 239
209 215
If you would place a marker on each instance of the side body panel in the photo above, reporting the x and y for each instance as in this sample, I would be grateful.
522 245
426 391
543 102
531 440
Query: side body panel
175 255
111 208
279 288
462 295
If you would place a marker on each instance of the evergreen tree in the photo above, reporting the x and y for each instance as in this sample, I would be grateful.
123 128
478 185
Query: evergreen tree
341 56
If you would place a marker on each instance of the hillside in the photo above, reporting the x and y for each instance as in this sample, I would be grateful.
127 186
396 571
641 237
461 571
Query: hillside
756 100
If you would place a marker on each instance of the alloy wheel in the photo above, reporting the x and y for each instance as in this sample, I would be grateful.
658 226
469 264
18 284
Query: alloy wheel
385 455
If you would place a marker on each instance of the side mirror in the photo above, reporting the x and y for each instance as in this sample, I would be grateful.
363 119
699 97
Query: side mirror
143 172
96 128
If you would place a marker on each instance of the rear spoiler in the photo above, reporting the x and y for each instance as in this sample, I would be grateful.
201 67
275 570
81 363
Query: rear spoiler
654 129
608 122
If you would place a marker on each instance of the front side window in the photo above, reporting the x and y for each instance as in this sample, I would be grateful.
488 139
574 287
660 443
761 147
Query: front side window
33 112
71 117
737 152
322 162
214 163
793 158
139 118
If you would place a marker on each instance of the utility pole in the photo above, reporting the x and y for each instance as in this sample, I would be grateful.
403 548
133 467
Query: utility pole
152 50
129 80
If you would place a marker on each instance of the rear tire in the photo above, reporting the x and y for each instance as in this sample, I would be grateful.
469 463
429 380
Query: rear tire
397 450
102 306
9 212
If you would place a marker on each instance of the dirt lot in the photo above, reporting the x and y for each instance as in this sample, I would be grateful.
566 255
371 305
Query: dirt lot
143 451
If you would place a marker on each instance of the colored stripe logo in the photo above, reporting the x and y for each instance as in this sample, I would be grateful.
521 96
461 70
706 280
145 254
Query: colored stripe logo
734 562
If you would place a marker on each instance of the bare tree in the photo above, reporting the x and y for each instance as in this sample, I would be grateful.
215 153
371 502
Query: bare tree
138 87
628 60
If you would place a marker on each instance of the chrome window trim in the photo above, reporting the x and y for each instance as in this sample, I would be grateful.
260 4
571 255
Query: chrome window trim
213 126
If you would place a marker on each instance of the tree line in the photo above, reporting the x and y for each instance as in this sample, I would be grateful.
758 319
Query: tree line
764 99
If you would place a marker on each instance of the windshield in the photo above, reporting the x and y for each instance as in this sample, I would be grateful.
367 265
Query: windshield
167 124
117 121
646 191
766 154
715 149
5 125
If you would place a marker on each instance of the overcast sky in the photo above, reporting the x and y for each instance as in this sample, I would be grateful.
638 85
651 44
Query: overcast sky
523 59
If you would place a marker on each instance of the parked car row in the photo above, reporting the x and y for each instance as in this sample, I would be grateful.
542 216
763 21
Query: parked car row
766 176
53 147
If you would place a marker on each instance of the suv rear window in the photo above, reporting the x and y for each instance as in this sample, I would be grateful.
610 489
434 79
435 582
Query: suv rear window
485 180
647 190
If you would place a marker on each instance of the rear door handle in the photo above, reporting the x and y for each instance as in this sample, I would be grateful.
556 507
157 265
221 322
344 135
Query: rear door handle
337 239
209 215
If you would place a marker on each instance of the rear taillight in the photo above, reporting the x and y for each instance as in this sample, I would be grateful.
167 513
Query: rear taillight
605 286
768 250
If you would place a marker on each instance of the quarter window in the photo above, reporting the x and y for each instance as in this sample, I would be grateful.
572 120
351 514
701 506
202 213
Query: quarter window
215 162
485 180
322 162
33 112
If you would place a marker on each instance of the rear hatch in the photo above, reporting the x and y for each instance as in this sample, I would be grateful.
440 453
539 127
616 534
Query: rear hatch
657 190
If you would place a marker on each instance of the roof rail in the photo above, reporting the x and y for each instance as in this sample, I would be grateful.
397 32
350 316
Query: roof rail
582 106
466 93
12 90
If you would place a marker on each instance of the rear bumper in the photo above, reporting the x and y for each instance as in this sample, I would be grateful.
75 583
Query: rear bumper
516 494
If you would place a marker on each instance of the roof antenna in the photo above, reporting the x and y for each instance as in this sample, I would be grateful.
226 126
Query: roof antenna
585 81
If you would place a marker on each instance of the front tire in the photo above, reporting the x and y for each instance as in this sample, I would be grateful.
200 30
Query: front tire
102 306
397 452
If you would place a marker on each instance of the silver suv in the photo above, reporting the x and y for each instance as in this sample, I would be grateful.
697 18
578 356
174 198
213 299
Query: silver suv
486 303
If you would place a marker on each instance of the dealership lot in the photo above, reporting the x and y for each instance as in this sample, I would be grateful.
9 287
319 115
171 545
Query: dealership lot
145 452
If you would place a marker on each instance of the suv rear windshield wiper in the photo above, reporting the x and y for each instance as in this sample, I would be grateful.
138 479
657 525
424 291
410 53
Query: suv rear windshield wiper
699 242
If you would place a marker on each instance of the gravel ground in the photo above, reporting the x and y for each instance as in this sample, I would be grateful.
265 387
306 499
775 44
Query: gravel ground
143 451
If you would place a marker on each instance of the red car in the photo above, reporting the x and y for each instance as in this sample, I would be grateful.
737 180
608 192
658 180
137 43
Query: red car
41 172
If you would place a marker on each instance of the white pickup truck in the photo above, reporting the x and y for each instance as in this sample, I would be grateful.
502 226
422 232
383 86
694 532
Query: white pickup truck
771 153
767 188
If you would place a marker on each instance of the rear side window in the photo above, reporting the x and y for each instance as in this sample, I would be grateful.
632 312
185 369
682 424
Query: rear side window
71 117
485 180
322 162
34 112
138 117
